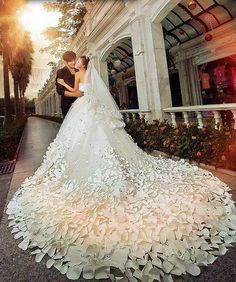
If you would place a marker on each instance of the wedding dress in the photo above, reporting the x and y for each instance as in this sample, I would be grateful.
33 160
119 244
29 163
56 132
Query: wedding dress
98 206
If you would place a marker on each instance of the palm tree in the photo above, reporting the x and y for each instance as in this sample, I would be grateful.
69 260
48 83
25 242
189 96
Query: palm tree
7 108
20 66
7 16
26 67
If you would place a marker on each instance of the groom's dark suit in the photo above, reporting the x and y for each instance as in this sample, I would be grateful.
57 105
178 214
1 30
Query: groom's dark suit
70 80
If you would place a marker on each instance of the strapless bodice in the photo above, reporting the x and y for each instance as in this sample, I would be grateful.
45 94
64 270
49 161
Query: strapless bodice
81 87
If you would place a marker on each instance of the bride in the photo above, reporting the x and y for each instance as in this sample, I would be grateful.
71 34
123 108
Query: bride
99 207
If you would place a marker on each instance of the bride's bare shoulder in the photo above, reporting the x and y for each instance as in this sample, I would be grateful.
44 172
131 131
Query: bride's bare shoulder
77 76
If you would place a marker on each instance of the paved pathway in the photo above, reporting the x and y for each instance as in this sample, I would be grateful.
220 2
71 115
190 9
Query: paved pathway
19 266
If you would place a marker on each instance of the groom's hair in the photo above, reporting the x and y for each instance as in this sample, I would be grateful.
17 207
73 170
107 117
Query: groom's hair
69 56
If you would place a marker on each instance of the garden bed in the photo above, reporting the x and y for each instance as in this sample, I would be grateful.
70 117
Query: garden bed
205 145
9 139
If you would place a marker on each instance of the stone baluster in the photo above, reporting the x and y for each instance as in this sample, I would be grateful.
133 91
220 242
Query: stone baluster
140 116
125 116
173 119
186 121
148 117
143 116
234 117
217 119
199 119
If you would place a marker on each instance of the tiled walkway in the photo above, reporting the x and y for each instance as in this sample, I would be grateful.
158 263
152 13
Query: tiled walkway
19 266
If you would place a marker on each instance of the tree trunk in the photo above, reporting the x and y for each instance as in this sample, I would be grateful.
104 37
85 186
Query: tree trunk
20 102
7 100
23 103
16 94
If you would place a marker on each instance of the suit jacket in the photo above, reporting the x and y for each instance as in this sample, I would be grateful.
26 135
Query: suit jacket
70 80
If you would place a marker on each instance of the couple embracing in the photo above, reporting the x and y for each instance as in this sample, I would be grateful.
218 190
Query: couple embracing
68 79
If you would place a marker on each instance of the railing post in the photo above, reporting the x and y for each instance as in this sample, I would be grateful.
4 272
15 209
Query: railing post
143 116
199 119
217 119
173 119
147 117
234 117
186 118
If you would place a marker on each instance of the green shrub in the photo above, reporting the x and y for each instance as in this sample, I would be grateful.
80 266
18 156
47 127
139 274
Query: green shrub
207 145
10 137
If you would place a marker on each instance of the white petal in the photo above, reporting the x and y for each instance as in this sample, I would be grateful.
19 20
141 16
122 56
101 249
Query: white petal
102 272
167 266
39 257
192 269
222 250
88 272
157 262
74 272
24 244
64 269
50 263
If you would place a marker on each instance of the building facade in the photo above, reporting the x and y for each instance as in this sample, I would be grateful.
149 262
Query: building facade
158 57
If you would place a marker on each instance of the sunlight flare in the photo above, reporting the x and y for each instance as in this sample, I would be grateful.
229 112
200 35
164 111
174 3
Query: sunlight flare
36 19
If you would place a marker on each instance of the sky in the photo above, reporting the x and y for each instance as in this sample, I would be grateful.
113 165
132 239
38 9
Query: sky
35 19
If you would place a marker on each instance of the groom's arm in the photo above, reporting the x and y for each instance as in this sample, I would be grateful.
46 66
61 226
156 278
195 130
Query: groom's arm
60 88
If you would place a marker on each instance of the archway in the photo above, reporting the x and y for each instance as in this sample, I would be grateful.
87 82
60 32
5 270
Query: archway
121 74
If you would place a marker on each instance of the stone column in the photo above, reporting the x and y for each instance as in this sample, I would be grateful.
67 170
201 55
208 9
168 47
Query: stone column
47 109
58 104
151 66
194 83
52 104
159 71
189 83
49 106
140 64
184 84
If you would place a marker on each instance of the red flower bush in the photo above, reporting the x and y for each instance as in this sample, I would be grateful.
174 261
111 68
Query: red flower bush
207 145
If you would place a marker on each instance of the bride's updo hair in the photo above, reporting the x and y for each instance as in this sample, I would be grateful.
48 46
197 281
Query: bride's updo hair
85 61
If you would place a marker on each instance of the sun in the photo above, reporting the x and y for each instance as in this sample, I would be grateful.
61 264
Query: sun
35 19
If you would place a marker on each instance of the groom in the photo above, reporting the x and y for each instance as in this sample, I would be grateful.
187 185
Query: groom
68 74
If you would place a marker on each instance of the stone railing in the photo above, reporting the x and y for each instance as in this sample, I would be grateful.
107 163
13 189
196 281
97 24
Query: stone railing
202 112
132 114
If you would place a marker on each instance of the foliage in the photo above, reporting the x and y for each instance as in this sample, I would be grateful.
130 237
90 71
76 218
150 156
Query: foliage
9 138
17 53
206 145
72 13
20 62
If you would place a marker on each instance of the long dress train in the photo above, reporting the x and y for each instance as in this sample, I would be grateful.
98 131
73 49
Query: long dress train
98 206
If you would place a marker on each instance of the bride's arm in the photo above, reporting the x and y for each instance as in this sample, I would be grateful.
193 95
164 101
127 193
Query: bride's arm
68 87
72 94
